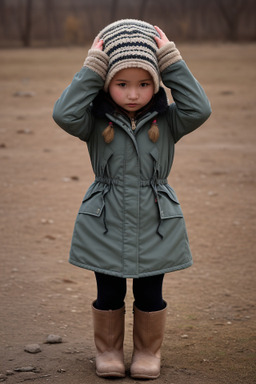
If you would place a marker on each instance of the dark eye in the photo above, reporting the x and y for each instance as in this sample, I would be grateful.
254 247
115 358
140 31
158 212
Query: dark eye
143 85
122 85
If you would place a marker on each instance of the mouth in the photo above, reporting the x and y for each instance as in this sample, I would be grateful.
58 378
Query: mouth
132 105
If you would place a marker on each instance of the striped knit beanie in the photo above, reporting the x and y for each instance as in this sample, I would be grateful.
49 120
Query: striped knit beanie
130 43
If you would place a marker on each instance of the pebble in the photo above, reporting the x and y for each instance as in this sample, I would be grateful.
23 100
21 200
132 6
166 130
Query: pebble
25 131
50 237
54 339
184 336
24 94
25 369
2 377
9 372
32 348
47 221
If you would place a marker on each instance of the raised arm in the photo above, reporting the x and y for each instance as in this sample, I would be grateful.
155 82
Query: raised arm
72 110
191 107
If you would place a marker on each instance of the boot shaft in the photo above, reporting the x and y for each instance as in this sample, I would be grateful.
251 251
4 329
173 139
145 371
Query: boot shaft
148 330
108 329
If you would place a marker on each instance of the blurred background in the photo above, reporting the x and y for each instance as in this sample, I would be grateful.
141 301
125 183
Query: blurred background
74 22
211 328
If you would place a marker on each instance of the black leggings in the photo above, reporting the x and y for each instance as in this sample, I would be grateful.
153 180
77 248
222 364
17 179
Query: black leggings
147 292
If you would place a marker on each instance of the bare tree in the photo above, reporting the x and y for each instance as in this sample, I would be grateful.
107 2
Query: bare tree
232 11
142 9
51 20
3 17
113 10
26 28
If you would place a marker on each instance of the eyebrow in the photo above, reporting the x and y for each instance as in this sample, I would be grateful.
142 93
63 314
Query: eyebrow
125 80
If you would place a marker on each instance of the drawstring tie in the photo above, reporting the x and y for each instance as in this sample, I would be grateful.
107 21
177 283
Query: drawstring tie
144 183
153 184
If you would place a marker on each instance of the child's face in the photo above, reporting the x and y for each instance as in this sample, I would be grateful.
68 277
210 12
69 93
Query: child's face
132 89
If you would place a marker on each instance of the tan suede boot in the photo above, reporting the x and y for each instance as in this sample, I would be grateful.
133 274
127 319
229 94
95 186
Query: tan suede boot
109 338
148 334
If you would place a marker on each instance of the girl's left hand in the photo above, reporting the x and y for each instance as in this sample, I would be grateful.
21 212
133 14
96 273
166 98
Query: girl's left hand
163 40
97 43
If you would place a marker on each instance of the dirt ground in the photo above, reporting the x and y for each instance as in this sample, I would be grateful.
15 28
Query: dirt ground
210 333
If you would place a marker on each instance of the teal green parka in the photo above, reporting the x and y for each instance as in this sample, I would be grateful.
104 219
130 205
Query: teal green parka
130 223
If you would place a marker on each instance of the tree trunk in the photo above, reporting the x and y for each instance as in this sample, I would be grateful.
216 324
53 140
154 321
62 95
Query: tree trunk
232 12
113 10
142 9
26 35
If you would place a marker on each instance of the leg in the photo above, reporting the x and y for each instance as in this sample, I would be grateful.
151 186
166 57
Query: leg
108 319
148 329
147 293
111 292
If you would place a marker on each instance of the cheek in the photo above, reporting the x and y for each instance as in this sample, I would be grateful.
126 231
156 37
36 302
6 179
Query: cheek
115 93
149 94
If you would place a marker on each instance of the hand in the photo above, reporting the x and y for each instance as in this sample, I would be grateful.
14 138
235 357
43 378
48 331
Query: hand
97 43
163 40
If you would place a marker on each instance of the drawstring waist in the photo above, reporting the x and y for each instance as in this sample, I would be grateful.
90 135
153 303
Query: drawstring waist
153 183
143 183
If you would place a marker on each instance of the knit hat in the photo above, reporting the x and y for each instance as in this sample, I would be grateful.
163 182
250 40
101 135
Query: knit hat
130 43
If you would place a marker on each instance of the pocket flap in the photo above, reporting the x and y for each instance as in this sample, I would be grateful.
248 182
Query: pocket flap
169 205
93 202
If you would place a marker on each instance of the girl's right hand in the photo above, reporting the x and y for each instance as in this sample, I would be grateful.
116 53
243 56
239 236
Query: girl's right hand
97 43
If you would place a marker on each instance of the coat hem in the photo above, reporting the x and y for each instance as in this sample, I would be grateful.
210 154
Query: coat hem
132 276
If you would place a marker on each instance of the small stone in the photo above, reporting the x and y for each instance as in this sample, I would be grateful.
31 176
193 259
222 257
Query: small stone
24 94
61 370
54 339
184 336
25 369
25 131
50 237
9 372
2 377
47 221
32 348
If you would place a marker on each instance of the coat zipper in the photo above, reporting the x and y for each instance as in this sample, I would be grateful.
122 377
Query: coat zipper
133 124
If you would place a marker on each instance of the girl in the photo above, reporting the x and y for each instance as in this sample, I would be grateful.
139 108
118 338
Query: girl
130 224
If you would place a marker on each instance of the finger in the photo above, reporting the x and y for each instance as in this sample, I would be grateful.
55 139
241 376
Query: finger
159 30
99 44
96 40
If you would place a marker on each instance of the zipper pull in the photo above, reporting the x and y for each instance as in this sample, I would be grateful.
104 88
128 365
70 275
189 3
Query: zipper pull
133 124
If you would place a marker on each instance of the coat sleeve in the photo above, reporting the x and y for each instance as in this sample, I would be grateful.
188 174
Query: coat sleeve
191 107
72 110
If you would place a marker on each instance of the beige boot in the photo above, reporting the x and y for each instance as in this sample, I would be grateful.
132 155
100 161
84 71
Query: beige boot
109 338
148 334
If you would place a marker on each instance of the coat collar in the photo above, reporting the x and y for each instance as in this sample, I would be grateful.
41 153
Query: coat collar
104 104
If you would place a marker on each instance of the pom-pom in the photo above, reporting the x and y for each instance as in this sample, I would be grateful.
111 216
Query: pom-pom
153 132
108 133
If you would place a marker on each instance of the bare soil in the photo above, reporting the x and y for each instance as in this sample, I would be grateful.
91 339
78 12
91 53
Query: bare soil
210 333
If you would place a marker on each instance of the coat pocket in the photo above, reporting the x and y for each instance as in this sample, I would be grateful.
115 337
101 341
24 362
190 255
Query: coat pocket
93 202
169 206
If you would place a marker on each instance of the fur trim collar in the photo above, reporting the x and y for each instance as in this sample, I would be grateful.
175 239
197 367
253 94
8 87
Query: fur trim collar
103 104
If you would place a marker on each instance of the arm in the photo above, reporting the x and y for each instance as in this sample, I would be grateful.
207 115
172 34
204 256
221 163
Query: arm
191 107
72 110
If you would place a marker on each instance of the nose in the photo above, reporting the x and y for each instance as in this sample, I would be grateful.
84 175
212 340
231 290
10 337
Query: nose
133 94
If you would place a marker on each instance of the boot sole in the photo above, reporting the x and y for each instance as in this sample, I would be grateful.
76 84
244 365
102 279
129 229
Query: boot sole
110 374
143 376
